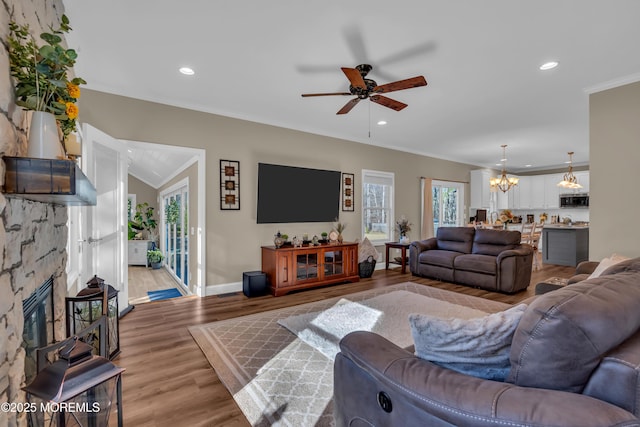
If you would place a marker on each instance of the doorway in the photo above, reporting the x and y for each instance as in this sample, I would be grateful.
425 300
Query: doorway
176 174
448 200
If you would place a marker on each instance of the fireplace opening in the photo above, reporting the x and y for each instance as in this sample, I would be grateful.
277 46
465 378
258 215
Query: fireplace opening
38 325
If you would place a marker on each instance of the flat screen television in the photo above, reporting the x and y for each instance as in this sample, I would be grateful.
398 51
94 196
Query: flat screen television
295 194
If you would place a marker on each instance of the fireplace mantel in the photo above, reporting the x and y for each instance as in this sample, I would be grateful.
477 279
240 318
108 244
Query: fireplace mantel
49 181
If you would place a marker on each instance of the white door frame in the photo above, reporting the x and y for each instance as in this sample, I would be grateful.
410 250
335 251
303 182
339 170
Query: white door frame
199 157
92 240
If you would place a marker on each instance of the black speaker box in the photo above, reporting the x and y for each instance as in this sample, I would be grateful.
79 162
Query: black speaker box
254 283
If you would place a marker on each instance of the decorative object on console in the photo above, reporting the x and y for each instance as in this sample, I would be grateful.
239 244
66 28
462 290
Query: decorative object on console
229 185
504 182
569 180
339 228
347 192
278 240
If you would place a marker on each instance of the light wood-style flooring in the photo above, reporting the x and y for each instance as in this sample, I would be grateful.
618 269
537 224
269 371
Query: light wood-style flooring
168 381
143 279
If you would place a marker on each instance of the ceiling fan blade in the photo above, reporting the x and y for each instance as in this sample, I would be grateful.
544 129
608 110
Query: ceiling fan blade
348 106
354 77
388 102
401 84
304 95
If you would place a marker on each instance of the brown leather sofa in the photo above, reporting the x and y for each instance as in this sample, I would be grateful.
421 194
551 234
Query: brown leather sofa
484 258
575 361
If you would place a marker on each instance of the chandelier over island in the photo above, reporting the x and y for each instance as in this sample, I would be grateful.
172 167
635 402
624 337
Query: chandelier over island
569 180
503 182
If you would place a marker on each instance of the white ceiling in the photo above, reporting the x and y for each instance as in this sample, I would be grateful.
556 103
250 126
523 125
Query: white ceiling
254 58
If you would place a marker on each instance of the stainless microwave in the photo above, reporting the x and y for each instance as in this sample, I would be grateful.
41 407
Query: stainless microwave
578 200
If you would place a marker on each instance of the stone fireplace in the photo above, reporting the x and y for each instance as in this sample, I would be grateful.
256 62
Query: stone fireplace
38 331
33 235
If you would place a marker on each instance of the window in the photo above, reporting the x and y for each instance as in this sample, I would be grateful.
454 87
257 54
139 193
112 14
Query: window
377 205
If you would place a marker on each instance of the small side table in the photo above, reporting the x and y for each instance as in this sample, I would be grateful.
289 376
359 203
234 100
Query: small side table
403 260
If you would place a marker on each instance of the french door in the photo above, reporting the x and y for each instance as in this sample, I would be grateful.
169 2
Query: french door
175 231
448 199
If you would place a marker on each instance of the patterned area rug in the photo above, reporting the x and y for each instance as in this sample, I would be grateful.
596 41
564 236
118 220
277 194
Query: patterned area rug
277 378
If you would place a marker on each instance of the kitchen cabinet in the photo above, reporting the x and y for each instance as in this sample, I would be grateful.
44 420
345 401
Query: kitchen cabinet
552 191
532 192
537 191
480 197
583 179
525 185
289 268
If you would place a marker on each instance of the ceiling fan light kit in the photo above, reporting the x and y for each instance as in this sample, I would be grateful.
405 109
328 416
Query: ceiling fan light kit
503 182
364 88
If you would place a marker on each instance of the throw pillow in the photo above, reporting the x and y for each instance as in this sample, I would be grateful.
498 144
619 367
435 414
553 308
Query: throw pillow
366 249
479 347
606 263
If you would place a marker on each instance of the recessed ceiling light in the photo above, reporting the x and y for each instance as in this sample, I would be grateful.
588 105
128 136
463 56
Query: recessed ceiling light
187 71
527 166
382 123
548 65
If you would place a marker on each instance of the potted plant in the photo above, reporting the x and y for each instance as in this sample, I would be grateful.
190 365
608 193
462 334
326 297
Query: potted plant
324 235
339 227
43 85
143 220
155 257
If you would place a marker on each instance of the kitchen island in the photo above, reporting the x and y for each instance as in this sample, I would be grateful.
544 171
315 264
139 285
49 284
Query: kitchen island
565 244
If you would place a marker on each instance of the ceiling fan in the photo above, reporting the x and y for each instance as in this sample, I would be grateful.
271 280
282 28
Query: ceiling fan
366 88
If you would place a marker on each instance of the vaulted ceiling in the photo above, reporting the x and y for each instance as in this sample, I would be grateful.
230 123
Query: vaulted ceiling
253 59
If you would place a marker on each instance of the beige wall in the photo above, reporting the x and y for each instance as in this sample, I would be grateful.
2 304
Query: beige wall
144 193
191 173
234 238
614 117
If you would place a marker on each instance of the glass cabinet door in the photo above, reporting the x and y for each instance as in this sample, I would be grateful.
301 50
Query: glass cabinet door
333 263
306 266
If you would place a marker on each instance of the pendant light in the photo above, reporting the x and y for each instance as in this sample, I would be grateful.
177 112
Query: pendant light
569 180
504 182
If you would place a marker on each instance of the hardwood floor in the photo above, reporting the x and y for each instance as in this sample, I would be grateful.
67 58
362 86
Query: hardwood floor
168 381
143 279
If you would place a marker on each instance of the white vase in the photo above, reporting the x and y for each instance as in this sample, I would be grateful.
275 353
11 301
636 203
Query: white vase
43 137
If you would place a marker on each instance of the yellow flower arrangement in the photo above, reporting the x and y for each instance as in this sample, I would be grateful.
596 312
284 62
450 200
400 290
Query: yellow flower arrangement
42 73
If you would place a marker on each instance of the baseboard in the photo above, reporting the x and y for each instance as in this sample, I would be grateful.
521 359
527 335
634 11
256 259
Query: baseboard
224 288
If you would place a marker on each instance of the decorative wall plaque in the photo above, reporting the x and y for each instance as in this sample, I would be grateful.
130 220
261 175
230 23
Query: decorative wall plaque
229 185
347 192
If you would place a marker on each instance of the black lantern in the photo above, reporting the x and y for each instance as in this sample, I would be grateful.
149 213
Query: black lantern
96 300
77 390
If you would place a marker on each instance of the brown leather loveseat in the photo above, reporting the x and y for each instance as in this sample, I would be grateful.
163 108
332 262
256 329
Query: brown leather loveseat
574 357
484 258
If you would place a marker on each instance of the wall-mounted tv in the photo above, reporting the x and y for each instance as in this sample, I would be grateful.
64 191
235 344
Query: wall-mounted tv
294 194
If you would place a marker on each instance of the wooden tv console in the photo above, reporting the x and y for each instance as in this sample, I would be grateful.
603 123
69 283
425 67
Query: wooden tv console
289 268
